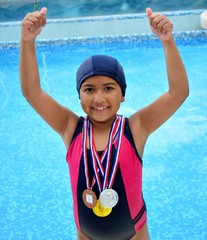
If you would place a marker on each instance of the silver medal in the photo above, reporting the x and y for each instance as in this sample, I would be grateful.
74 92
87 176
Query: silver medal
109 198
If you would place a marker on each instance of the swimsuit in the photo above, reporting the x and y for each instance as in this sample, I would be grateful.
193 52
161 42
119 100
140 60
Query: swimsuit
129 215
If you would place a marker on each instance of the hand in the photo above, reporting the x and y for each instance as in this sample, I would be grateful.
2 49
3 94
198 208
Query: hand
160 25
32 24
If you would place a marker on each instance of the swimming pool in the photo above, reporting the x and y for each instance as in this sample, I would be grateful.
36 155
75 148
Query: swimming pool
35 199
15 10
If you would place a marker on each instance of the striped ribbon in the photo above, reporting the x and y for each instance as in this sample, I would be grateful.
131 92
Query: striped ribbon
104 177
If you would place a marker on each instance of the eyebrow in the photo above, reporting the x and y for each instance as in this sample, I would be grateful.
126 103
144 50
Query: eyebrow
92 85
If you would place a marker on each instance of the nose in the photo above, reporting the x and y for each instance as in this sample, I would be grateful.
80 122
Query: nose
99 97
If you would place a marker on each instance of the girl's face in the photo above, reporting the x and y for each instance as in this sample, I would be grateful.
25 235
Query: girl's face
100 98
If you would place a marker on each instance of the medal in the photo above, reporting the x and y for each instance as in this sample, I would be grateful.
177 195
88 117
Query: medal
101 211
104 168
89 198
109 198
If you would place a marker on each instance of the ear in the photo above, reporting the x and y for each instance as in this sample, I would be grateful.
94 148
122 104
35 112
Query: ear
122 99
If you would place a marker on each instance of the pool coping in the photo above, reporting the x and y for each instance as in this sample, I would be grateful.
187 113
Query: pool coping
89 27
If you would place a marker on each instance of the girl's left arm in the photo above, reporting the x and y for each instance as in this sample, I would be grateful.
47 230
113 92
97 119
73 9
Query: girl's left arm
154 115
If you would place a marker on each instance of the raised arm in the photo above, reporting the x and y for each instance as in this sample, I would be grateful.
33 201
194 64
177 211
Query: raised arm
58 117
154 115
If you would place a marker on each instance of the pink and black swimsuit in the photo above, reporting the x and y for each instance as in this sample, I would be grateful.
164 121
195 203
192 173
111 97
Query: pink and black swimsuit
129 215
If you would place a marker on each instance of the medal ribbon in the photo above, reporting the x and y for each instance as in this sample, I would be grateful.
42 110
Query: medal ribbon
106 155
89 186
116 131
113 134
115 166
86 132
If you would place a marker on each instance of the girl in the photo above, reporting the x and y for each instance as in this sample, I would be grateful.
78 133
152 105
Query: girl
104 150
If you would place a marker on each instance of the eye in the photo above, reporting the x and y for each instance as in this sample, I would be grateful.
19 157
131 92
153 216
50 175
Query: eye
109 88
88 90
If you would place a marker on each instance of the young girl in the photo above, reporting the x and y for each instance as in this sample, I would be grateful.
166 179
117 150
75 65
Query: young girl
104 150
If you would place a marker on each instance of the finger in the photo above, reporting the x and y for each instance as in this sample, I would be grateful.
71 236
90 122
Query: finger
39 19
149 12
29 23
154 20
44 10
157 21
167 27
160 24
33 21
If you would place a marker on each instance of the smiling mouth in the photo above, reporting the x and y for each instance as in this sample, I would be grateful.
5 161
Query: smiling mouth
100 108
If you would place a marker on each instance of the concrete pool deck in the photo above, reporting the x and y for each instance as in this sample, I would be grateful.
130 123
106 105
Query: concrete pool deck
102 26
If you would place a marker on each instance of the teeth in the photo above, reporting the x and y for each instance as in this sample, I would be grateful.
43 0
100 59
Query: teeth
100 108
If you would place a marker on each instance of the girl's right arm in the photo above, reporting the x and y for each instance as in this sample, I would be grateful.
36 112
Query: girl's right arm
61 119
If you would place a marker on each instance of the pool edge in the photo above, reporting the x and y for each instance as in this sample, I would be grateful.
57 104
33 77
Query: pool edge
103 26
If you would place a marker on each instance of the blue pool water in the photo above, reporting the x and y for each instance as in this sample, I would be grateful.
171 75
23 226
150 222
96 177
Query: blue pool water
35 199
16 10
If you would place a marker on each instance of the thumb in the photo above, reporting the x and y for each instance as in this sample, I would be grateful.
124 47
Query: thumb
148 12
43 10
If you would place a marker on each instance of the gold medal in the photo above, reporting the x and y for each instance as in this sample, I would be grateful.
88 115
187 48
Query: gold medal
101 211
89 198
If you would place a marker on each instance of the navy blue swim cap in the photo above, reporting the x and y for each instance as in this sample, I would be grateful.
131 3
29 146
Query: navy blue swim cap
101 65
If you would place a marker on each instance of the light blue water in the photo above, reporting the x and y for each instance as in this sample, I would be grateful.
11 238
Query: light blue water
16 10
35 195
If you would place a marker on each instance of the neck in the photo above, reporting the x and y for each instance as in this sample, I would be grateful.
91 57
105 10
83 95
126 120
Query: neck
103 126
101 132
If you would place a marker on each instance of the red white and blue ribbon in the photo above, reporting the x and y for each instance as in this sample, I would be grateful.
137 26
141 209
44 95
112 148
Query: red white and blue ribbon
103 176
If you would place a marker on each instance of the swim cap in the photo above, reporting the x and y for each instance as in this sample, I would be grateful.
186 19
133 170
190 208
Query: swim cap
101 65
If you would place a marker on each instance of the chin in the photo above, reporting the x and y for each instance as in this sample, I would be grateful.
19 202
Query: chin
102 119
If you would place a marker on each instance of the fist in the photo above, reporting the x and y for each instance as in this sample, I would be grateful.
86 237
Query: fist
160 25
32 24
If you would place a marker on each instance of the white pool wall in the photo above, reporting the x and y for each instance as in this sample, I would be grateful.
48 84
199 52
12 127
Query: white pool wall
102 26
